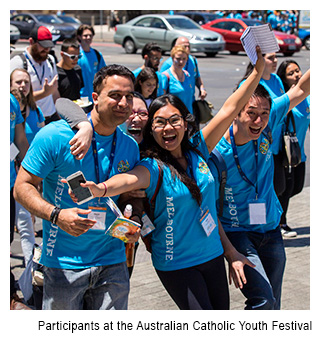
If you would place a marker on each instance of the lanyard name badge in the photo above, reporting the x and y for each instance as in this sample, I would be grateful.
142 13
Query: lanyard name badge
206 220
257 207
34 68
99 212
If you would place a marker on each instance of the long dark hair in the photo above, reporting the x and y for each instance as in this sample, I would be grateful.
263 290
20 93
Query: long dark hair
146 74
151 149
281 72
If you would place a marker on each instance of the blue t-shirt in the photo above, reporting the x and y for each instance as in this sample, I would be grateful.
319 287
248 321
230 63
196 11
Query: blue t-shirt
15 118
183 90
32 123
49 157
190 67
179 240
238 192
90 65
159 75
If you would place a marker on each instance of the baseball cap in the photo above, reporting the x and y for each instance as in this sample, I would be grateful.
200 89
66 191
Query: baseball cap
42 35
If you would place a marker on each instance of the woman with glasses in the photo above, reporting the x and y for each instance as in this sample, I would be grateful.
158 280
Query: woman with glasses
176 80
188 242
70 75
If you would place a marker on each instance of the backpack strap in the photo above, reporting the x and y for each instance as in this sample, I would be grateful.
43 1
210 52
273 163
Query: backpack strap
221 166
153 199
24 60
98 55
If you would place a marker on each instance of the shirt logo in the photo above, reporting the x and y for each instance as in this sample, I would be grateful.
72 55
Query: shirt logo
123 166
12 116
264 146
203 167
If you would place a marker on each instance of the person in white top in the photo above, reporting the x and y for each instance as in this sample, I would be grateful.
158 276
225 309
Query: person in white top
42 69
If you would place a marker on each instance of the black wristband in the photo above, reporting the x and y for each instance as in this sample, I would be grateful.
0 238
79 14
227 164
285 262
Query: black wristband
54 215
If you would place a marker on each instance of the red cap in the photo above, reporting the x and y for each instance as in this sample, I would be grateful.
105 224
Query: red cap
42 36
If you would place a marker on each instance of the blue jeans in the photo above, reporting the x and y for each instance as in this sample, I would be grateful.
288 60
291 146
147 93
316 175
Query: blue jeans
264 282
105 287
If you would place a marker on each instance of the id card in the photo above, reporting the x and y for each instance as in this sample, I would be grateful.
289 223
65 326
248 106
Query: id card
14 151
257 212
99 214
207 222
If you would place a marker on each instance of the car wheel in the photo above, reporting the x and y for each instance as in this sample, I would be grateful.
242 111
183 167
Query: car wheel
129 46
306 43
234 52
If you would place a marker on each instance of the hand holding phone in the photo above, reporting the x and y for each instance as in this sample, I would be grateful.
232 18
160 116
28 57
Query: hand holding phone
82 194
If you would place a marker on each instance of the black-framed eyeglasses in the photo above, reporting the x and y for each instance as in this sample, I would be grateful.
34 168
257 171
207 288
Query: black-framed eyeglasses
72 56
160 122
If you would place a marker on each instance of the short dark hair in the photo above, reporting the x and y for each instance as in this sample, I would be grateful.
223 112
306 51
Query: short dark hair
71 42
83 27
151 46
108 71
260 92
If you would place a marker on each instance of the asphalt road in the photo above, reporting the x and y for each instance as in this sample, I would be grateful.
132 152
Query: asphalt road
220 74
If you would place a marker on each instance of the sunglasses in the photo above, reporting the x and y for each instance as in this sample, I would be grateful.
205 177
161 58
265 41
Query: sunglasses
72 56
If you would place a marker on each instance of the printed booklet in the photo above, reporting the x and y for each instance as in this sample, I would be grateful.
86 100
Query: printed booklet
262 36
121 225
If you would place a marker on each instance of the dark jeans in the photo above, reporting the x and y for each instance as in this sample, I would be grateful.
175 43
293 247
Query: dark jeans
264 281
200 287
287 183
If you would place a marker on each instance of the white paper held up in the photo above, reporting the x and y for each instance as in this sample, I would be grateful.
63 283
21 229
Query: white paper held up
262 36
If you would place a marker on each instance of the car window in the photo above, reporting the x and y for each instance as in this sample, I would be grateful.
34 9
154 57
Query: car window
49 19
220 25
184 23
158 23
234 26
18 18
198 18
146 22
27 18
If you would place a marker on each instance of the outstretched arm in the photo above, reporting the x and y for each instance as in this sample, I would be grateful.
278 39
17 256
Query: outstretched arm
299 92
137 178
213 132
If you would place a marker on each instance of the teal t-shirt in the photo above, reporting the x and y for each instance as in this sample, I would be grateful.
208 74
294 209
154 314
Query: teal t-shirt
179 240
32 123
15 118
90 65
183 90
49 157
238 192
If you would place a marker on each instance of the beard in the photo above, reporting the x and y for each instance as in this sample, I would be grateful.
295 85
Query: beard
39 57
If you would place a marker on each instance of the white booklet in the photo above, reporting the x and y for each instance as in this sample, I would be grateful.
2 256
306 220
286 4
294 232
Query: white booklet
262 36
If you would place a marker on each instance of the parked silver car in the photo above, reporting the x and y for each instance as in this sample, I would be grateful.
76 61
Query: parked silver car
164 30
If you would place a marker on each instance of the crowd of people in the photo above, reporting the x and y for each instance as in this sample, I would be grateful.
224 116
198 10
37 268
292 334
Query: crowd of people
138 140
